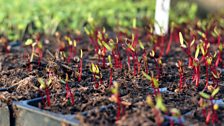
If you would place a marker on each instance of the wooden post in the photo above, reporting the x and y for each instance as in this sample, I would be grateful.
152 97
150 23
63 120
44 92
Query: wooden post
162 16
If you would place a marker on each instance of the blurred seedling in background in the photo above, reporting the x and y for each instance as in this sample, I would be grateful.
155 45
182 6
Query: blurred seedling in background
209 108
45 86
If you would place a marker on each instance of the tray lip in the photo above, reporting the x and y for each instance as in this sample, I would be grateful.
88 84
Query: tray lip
68 118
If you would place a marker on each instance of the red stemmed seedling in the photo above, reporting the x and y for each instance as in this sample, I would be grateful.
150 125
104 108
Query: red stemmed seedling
116 98
29 42
80 66
71 48
95 70
45 86
208 63
158 62
111 71
187 49
211 115
157 108
116 54
179 65
144 57
69 93
154 81
176 114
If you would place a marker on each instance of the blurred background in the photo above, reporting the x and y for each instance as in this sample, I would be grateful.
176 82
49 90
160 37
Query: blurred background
47 16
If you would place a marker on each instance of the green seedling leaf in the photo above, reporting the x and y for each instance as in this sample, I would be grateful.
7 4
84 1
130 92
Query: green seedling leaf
146 75
220 47
141 45
110 61
99 43
204 95
215 92
149 101
209 60
132 37
192 42
42 83
159 103
87 31
94 68
175 112
62 81
202 50
202 34
106 46
115 89
74 43
131 47
197 52
49 82
155 82
29 42
182 40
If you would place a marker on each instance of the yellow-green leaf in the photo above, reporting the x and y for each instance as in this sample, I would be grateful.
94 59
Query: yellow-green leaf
159 103
110 61
182 40
215 92
81 53
146 75
42 83
204 95
29 42
149 101
106 46
141 45
197 52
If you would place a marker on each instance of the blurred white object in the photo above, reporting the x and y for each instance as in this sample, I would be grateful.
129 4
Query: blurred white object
162 16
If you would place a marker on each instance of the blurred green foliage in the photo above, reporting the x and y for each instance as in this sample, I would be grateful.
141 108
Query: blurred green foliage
47 16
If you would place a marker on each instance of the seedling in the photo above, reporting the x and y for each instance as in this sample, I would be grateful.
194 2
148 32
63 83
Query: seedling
80 66
71 47
45 86
157 109
158 62
111 71
212 114
116 98
95 70
196 67
69 93
176 113
181 74
144 57
154 81
116 55
208 63
187 49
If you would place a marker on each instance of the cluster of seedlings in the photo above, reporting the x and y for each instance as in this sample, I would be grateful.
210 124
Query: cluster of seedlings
128 70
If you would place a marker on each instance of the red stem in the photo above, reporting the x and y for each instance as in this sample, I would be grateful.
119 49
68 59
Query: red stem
80 70
169 43
48 96
111 77
69 93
